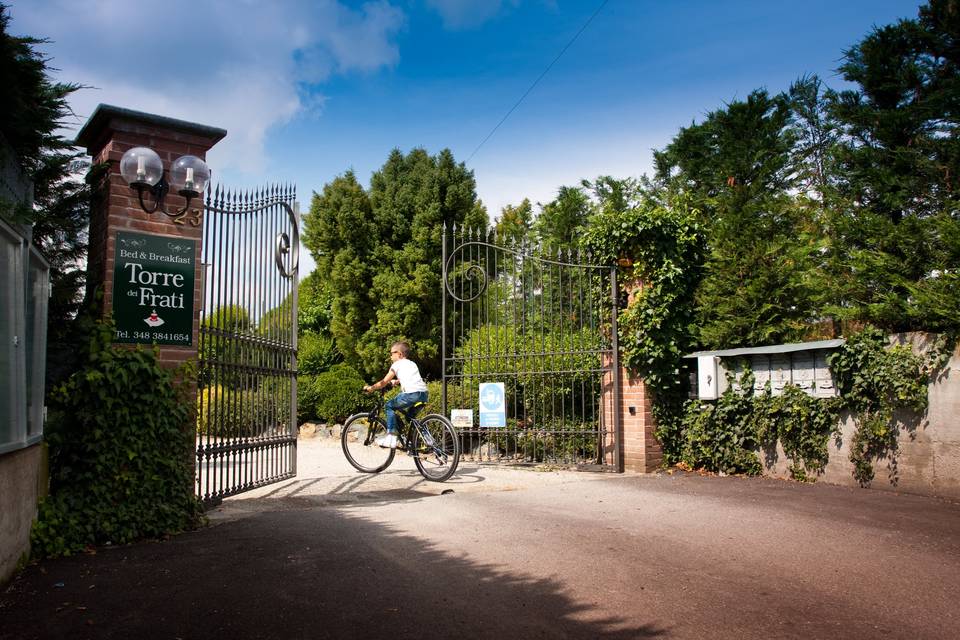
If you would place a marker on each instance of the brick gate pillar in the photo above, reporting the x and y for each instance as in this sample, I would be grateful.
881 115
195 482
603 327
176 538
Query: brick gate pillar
639 449
108 133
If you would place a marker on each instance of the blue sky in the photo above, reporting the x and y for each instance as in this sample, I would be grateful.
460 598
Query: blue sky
310 89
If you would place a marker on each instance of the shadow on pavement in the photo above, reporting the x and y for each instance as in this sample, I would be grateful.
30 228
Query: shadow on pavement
319 573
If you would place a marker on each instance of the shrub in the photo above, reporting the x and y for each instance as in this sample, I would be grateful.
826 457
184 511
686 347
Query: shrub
307 398
120 450
316 353
721 437
435 398
229 413
337 393
219 412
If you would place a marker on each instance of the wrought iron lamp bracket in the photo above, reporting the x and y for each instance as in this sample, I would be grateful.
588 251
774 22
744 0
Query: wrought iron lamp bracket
159 191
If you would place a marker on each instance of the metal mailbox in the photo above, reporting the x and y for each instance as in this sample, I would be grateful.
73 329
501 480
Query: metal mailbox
802 364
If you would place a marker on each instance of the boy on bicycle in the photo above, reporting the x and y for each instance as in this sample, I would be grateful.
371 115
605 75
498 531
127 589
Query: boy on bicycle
412 390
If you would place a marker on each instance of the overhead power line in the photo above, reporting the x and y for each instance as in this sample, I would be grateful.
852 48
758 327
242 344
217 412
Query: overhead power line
535 82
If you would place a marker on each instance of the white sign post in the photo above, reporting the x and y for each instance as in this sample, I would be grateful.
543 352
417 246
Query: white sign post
462 419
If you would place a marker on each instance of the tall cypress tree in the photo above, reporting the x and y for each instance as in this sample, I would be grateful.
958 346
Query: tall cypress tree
736 166
894 206
381 250
32 112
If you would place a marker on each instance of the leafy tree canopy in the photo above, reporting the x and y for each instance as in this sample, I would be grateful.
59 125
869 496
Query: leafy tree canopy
379 250
32 112
515 223
33 108
315 304
562 221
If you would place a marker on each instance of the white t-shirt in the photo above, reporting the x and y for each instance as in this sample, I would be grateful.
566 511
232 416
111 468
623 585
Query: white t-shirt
409 375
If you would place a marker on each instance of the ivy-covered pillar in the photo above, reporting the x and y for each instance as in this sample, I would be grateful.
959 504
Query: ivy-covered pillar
147 265
628 408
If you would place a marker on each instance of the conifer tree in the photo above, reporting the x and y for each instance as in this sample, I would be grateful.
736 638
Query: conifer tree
32 112
380 250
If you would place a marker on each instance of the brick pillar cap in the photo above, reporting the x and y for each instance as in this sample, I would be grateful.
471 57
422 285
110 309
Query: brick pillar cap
91 135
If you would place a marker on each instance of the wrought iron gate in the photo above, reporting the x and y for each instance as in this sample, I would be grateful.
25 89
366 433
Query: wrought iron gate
544 325
247 384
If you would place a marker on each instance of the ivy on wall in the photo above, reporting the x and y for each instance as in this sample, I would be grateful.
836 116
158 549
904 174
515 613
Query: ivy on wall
660 246
874 380
725 436
121 441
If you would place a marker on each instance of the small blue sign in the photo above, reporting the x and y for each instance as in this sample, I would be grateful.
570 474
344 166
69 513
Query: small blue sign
493 410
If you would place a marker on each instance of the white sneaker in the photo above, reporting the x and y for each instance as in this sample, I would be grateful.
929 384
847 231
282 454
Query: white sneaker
388 441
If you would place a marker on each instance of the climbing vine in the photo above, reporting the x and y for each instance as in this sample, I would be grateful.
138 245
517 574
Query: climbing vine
874 381
659 250
801 424
121 439
720 436
725 436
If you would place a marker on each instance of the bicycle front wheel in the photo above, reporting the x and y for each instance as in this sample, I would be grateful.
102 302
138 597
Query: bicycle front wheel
437 448
357 440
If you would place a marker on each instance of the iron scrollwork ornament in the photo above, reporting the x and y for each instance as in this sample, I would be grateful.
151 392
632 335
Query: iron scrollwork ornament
466 271
286 245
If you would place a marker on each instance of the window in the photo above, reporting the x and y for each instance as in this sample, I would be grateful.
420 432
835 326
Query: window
38 299
24 292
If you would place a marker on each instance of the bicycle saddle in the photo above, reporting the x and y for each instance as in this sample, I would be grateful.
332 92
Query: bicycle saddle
414 409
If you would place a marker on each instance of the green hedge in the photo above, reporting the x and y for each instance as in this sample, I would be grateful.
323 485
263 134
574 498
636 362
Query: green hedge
229 413
331 396
121 445
316 353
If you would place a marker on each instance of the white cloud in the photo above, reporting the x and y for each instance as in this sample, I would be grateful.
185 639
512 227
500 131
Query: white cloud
244 66
466 14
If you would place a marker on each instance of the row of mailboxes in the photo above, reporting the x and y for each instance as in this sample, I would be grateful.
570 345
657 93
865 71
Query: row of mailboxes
803 365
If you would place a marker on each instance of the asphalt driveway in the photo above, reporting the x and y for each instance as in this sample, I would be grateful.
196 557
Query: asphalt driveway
517 554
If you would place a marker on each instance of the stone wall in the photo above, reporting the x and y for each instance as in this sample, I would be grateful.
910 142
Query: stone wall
927 459
20 477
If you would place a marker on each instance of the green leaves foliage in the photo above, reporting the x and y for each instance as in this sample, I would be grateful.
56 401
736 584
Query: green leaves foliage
664 248
34 108
121 442
562 220
314 304
545 371
33 115
901 118
718 437
801 424
727 435
874 381
736 153
379 250
330 396
316 353
515 223
822 209
737 168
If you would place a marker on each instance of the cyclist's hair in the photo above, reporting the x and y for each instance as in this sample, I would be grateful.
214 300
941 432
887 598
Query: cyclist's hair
402 347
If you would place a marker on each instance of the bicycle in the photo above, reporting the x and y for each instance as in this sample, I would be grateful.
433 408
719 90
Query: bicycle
432 441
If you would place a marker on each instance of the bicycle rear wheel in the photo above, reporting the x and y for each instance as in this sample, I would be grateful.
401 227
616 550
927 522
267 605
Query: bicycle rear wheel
438 455
357 440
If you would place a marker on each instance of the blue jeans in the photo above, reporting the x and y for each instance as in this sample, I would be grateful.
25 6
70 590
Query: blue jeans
398 403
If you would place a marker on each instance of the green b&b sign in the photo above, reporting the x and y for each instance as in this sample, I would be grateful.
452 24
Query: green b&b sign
153 279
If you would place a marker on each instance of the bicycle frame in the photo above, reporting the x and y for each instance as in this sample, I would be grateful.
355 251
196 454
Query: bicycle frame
405 431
